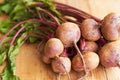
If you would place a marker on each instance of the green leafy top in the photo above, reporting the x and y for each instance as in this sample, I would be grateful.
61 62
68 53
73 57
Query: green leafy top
23 23
10 70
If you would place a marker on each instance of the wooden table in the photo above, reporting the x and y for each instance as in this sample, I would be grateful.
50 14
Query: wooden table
30 66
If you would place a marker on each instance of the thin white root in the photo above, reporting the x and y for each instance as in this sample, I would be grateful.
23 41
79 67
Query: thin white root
81 56
69 78
58 76
68 75
84 76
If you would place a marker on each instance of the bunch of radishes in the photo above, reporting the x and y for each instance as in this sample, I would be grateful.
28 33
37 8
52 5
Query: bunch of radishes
67 35
75 40
82 46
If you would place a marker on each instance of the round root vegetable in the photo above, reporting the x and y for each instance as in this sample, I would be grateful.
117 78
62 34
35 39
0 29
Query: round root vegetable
110 27
53 47
110 54
91 60
91 46
90 30
68 33
61 65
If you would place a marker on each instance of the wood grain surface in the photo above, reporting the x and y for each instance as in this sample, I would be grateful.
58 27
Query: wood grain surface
30 66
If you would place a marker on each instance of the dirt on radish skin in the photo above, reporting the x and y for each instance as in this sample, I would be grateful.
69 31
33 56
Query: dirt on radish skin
110 54
53 47
68 33
91 60
61 65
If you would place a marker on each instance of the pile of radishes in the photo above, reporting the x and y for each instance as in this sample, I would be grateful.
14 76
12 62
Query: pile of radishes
83 46
72 39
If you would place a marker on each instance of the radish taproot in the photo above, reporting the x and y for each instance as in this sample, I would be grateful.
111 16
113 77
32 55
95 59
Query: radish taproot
53 47
110 54
91 60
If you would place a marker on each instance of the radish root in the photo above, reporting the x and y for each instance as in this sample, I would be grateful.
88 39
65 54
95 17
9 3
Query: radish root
81 56
58 76
68 75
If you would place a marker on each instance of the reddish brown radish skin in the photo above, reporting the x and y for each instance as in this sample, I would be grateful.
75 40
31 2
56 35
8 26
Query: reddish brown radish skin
61 65
111 26
90 30
91 46
91 60
53 47
110 54
68 33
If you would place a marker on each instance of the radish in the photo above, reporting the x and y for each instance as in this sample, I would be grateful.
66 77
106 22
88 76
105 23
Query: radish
110 27
91 60
61 65
90 30
69 33
53 47
110 54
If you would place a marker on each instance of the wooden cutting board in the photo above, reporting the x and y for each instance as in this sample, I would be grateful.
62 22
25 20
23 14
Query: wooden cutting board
30 66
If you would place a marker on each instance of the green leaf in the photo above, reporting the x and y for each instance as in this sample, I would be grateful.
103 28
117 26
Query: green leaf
32 39
6 8
6 75
17 11
13 51
51 6
4 45
9 73
28 1
17 8
5 25
2 57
